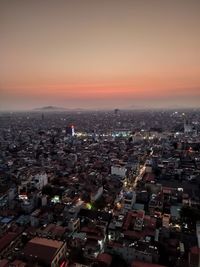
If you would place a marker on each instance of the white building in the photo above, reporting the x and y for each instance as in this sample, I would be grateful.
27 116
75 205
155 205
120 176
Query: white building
39 181
96 194
148 166
74 224
129 200
118 170
44 200
12 194
165 220
189 128
130 253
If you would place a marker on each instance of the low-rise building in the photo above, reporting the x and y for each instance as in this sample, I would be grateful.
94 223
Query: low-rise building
44 251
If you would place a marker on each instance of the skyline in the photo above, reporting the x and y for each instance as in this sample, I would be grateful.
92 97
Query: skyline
99 54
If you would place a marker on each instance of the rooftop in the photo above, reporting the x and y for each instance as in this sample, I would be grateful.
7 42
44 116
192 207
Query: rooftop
145 264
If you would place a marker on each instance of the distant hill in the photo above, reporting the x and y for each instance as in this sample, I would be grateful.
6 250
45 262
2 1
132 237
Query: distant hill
50 108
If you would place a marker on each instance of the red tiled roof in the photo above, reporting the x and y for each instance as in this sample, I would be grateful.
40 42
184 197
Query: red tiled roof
138 235
173 242
7 239
167 190
90 230
18 263
42 249
134 234
4 263
149 177
43 253
131 216
195 250
150 222
115 244
194 256
106 258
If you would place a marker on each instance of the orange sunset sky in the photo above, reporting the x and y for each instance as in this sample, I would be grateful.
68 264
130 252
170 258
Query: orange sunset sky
99 53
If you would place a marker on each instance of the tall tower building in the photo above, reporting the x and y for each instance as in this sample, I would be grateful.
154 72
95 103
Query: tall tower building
116 111
189 128
70 130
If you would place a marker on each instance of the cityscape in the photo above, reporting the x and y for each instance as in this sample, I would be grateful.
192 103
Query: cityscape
100 188
100 133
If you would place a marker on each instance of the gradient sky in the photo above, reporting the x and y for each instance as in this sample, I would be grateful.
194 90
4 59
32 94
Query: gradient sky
99 53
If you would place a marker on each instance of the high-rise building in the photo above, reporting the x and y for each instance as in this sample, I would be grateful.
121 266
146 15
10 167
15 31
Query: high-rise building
116 111
189 128
70 130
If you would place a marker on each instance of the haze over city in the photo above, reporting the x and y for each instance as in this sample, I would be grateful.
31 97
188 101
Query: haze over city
99 54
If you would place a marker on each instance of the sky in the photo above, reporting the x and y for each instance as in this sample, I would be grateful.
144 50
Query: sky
99 54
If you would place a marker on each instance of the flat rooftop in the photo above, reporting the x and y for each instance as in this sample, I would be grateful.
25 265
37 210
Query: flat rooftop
46 242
